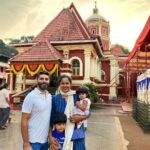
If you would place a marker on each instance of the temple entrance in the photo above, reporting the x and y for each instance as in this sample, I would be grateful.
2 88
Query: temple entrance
24 80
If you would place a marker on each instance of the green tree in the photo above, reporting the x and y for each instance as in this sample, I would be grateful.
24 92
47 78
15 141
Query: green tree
125 49
92 92
22 39
6 50
14 41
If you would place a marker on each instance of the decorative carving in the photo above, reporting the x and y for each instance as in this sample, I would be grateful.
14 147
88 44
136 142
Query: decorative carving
66 54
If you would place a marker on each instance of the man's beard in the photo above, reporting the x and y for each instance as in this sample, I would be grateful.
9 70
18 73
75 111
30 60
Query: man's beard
43 86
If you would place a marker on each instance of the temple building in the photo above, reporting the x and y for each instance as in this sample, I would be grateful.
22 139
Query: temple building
112 74
64 46
68 45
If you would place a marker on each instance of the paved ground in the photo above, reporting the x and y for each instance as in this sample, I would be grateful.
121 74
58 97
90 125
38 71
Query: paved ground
104 132
139 140
10 139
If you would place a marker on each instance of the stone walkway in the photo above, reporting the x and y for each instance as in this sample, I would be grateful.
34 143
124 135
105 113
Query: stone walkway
127 107
104 132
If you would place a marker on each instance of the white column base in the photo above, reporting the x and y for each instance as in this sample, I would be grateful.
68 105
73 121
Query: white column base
112 95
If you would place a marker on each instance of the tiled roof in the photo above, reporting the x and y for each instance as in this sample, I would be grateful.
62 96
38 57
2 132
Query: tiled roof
42 51
117 51
65 26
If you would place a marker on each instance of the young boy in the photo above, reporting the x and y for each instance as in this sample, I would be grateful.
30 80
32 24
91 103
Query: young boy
82 106
59 124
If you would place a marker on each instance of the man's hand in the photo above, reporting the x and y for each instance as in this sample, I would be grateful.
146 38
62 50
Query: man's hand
27 147
54 145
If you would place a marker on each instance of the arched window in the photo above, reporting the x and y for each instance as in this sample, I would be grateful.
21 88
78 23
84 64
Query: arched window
75 67
103 75
93 31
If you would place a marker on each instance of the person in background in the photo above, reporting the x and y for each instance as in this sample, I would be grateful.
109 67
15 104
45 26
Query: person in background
36 113
4 106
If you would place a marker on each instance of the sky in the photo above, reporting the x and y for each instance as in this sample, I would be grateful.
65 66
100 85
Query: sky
28 17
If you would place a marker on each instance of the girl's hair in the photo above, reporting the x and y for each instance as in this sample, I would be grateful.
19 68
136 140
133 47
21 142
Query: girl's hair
64 76
82 89
59 118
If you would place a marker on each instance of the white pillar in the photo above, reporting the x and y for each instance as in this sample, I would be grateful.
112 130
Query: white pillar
113 79
66 61
95 68
68 70
66 54
100 70
24 81
87 66
19 82
11 83
92 68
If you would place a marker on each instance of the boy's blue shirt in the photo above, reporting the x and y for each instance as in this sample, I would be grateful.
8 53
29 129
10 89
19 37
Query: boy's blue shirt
60 137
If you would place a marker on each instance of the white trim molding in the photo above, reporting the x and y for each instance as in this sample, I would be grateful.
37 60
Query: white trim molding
80 61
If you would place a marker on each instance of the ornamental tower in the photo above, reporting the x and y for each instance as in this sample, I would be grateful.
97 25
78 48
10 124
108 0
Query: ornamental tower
98 25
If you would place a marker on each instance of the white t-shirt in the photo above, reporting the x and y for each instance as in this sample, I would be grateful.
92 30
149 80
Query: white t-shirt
39 106
4 94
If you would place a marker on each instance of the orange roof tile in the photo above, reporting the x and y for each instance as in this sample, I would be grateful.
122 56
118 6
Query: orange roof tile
65 26
42 51
117 51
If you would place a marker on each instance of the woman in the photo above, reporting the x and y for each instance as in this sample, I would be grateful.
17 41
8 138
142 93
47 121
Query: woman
64 102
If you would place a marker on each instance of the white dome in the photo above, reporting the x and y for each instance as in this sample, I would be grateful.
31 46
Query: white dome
96 16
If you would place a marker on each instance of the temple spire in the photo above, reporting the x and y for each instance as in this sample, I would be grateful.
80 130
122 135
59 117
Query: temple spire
95 10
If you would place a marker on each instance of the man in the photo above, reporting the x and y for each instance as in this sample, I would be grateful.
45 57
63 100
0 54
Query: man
4 106
36 111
